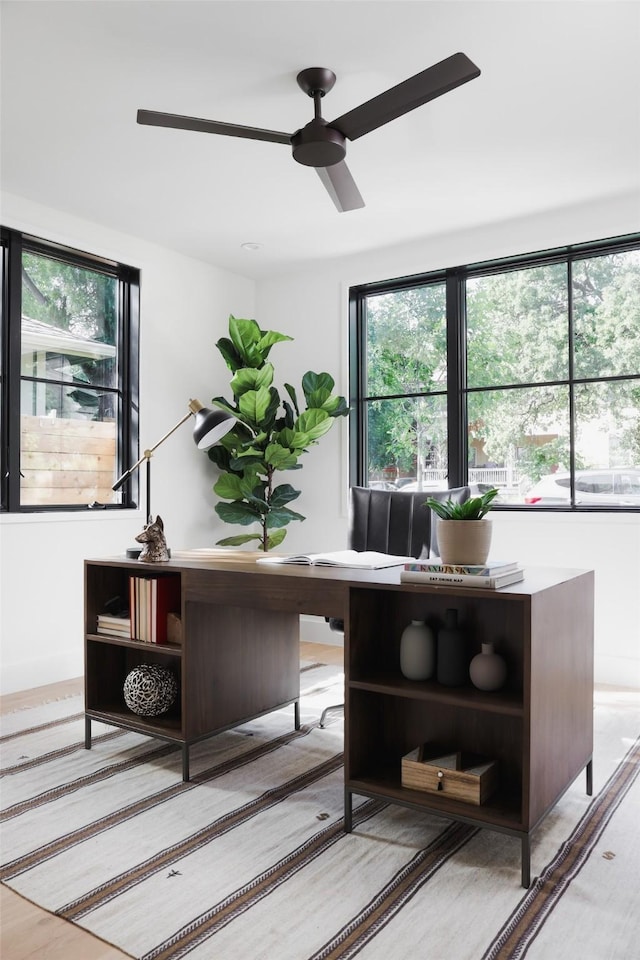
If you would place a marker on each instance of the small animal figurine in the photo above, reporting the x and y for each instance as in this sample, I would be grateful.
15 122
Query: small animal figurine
155 545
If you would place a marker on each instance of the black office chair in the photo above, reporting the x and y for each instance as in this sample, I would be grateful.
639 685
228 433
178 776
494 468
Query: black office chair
395 522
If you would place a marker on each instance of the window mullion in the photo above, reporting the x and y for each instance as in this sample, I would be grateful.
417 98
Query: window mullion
456 380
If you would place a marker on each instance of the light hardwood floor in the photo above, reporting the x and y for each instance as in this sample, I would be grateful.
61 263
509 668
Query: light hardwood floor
26 931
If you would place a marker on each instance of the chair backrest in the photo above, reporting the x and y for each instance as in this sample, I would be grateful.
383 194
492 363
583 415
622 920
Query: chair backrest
391 521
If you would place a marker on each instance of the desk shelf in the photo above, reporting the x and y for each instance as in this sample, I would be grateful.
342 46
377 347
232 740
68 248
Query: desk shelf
538 729
236 661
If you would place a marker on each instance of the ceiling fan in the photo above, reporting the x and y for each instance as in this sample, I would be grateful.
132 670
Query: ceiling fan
321 144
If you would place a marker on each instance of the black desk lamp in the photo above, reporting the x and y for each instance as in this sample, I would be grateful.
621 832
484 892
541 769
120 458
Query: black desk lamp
209 428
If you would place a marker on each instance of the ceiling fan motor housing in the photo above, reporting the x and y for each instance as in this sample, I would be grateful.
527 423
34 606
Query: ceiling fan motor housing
318 145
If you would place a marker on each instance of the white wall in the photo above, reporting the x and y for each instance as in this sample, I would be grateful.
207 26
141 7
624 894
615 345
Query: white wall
184 309
312 307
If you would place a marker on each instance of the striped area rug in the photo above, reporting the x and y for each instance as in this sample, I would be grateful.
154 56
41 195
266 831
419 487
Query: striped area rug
249 860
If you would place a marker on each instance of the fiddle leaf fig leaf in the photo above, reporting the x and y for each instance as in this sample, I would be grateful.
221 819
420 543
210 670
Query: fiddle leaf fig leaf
237 512
245 336
255 403
229 354
311 382
280 458
282 494
315 423
294 439
238 540
275 539
252 378
269 338
282 516
228 486
294 399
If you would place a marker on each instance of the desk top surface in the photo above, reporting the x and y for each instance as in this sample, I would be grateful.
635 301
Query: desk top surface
535 578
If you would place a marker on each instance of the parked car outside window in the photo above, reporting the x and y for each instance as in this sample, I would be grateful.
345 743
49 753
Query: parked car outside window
618 486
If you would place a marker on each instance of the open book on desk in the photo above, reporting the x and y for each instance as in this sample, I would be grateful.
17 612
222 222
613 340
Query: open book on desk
364 560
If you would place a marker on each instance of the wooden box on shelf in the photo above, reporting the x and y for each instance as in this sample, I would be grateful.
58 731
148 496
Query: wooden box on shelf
459 775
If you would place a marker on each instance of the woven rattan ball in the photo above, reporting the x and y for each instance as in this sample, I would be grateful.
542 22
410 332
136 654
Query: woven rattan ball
150 690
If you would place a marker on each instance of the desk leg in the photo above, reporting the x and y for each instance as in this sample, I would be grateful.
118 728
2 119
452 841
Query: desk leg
348 817
296 714
185 762
589 772
526 861
87 732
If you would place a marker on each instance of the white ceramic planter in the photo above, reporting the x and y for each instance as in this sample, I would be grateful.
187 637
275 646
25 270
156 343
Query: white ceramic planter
464 541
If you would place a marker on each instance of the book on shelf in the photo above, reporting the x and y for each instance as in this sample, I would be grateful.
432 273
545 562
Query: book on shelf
113 625
492 568
363 559
114 632
463 580
152 599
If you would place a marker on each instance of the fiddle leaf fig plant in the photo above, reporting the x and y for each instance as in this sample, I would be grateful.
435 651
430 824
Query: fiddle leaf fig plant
270 435
473 509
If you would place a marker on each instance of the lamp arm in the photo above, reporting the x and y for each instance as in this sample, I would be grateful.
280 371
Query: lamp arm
148 453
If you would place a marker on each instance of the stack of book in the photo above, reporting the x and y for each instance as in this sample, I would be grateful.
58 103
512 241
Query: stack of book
114 626
491 575
151 600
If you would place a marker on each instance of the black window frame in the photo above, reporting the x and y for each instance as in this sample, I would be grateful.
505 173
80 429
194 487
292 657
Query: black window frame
455 279
13 243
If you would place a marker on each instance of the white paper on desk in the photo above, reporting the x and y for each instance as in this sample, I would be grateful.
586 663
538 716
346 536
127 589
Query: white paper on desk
364 560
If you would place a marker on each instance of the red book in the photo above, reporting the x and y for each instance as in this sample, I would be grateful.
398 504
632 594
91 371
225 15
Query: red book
167 600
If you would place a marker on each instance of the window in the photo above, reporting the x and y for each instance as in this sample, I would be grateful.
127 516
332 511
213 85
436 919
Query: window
69 376
522 374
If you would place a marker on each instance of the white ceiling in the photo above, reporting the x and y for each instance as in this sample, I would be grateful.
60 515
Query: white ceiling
553 120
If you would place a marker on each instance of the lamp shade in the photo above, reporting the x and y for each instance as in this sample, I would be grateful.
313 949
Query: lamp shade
210 425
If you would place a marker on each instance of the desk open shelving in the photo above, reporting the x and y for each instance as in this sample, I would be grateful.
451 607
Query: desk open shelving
538 729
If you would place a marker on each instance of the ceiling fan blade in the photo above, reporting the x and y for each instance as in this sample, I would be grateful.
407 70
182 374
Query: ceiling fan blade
177 122
341 186
406 96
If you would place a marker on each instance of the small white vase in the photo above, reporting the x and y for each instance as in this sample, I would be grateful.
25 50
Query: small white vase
487 670
417 651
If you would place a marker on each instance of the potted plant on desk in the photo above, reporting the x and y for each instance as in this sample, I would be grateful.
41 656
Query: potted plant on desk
464 535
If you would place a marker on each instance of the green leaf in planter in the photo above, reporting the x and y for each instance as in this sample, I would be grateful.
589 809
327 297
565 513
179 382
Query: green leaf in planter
281 517
280 458
237 512
255 403
315 423
282 494
473 509
275 539
251 378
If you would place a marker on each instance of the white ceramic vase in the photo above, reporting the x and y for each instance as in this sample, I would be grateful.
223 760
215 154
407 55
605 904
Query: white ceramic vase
417 651
487 670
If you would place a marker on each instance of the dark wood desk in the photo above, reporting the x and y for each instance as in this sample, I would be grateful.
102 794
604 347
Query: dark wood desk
240 659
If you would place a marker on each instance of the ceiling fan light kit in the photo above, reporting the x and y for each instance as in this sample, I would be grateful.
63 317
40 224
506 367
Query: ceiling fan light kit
321 144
